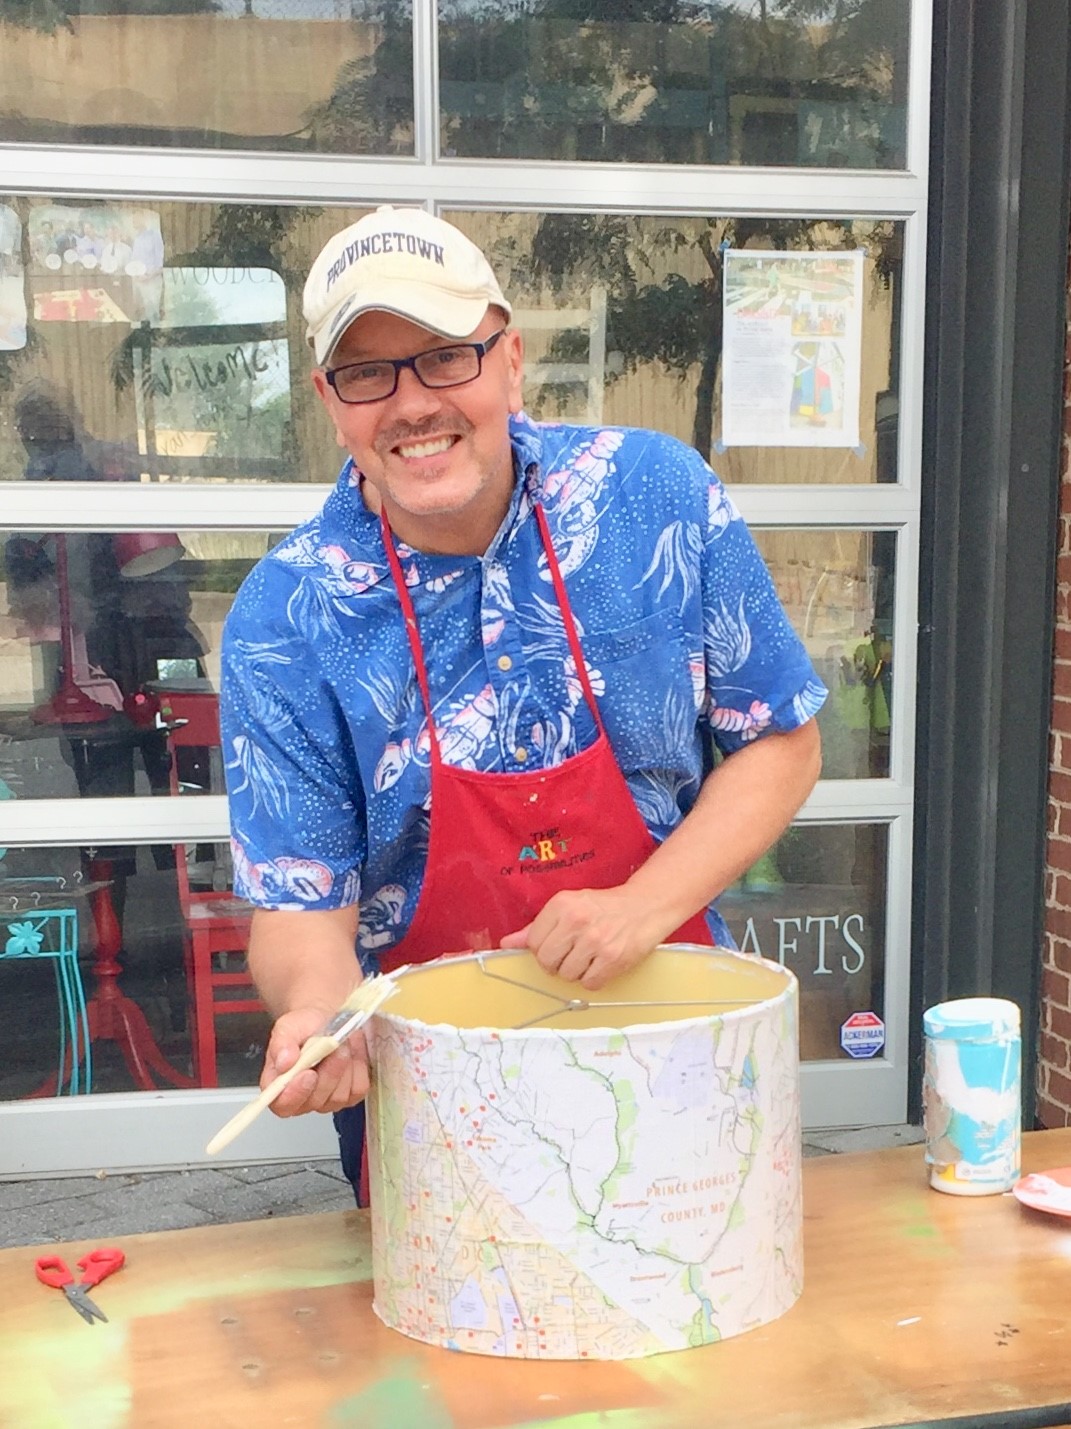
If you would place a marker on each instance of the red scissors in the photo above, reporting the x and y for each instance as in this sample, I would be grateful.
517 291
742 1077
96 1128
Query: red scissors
95 1267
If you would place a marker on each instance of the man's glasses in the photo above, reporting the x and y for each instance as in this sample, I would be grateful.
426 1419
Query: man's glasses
439 367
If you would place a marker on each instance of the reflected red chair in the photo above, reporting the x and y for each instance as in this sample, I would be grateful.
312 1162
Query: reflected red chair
216 923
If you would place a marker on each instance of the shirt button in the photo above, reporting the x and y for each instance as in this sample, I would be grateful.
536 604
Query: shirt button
505 663
520 754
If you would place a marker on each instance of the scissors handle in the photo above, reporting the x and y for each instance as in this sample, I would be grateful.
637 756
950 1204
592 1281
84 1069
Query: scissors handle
99 1264
51 1270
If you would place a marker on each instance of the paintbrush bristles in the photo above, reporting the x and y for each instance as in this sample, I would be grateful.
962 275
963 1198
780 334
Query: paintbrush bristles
361 993
370 994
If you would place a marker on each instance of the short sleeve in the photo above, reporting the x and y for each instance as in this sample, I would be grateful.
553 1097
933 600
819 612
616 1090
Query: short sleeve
759 677
295 799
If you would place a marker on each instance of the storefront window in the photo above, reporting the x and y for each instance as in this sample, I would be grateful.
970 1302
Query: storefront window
626 320
816 904
837 588
305 75
137 619
798 83
122 968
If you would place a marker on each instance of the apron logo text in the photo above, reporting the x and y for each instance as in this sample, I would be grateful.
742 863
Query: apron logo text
547 849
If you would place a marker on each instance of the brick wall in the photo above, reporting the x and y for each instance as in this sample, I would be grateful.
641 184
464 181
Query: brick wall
1054 1061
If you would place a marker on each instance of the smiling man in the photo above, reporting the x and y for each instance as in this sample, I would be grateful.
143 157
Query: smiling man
469 704
437 458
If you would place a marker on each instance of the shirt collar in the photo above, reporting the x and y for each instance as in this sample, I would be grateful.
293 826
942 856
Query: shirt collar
346 507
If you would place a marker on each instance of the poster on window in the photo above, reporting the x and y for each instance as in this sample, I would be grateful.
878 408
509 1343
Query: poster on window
12 282
792 353
98 263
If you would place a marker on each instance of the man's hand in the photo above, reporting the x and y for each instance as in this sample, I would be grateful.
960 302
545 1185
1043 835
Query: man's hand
340 1080
594 935
589 935
304 968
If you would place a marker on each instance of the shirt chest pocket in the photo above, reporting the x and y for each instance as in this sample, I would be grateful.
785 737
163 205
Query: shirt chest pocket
644 684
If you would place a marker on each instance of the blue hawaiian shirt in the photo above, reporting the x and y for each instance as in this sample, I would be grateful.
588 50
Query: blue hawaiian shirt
324 732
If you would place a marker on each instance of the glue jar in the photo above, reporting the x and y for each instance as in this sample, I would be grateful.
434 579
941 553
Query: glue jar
970 1095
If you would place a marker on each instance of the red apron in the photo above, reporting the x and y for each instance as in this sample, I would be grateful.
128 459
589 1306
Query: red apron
500 844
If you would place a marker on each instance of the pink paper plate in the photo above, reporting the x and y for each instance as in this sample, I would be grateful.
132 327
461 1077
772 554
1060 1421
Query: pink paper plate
1046 1191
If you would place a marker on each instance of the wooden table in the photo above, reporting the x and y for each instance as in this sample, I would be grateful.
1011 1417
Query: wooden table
917 1308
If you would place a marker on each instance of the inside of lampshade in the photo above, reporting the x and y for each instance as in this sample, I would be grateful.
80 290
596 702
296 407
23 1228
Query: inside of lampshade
510 991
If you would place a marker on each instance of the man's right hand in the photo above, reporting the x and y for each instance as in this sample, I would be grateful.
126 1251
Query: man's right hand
340 1080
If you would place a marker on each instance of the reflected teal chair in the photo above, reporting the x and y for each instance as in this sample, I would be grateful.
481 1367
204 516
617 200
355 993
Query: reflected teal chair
28 930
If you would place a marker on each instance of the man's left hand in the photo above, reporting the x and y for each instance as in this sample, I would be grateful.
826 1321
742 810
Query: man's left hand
589 935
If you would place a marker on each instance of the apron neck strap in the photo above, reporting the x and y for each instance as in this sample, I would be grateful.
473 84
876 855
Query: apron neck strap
411 631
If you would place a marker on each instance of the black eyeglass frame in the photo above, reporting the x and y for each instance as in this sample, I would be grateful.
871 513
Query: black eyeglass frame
481 349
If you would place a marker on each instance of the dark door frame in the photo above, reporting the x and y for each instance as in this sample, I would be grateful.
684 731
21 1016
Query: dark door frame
992 442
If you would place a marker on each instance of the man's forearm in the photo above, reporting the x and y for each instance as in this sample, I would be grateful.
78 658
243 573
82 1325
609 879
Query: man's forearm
744 806
304 959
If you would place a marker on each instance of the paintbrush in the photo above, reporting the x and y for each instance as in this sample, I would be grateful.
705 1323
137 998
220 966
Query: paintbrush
365 999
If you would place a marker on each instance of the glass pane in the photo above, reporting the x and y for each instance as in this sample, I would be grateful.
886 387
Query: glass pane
305 75
622 321
816 904
172 336
116 943
109 669
782 82
159 341
838 590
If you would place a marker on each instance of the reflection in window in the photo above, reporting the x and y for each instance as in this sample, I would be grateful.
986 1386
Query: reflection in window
212 375
170 335
623 322
12 284
95 264
100 634
165 914
206 361
837 588
816 904
796 83
200 374
305 75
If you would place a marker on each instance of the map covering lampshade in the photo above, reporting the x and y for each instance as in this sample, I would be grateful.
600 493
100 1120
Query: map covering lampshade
603 1182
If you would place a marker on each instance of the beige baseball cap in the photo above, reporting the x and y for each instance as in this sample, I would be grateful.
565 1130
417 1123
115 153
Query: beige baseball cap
403 261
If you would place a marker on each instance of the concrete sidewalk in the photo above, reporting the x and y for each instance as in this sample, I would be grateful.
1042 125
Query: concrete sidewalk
102 1207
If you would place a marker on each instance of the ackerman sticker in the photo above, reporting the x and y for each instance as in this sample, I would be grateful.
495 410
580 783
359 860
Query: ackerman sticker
863 1034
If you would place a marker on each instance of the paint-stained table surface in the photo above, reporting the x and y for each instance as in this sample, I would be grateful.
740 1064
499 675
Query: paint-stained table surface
917 1307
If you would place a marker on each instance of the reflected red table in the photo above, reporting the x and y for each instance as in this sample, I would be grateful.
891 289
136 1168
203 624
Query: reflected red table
114 1017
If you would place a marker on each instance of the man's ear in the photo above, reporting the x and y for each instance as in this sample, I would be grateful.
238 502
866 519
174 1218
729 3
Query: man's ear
327 397
323 387
515 369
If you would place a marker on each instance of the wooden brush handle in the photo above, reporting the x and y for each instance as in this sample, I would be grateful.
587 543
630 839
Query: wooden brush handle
313 1052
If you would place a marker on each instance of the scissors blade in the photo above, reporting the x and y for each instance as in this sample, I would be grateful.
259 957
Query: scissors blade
87 1308
81 1303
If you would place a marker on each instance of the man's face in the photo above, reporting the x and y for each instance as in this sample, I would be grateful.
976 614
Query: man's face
439 459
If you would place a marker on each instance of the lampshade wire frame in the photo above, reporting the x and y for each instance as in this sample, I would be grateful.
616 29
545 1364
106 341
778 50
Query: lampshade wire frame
583 1004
